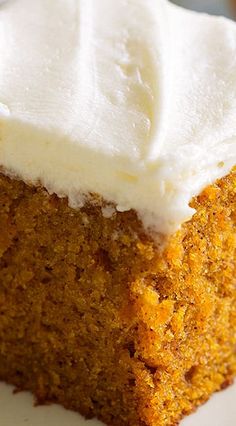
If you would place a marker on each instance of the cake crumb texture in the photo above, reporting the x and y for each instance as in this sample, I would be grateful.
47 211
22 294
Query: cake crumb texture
95 317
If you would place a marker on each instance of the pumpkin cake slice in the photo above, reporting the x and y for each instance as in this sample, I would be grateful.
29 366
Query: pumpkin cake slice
117 206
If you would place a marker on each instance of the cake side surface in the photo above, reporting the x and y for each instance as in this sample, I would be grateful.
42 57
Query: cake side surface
95 317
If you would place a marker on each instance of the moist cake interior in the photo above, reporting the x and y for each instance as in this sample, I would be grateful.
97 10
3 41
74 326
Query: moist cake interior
95 317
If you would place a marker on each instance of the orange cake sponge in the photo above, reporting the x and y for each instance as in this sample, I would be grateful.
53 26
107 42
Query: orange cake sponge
96 317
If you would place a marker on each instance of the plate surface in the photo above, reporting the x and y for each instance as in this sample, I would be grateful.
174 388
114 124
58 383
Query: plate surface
18 410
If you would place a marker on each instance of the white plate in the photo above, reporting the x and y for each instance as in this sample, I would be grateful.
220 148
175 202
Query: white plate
17 410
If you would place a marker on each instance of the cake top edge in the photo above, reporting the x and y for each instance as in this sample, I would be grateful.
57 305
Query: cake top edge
134 100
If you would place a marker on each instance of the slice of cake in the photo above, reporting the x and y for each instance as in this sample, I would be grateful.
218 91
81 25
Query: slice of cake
117 206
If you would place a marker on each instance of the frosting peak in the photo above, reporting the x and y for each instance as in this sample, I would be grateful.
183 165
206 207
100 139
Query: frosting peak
135 100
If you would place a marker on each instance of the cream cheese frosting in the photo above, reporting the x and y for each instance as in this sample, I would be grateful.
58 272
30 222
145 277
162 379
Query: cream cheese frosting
132 99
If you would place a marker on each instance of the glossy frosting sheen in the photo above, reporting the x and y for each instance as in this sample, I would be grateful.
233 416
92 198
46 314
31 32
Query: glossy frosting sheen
132 99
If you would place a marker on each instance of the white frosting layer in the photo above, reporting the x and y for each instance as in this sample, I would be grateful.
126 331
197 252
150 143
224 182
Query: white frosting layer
132 99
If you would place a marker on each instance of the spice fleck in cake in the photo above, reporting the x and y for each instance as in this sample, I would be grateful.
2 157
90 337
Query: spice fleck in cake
117 206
